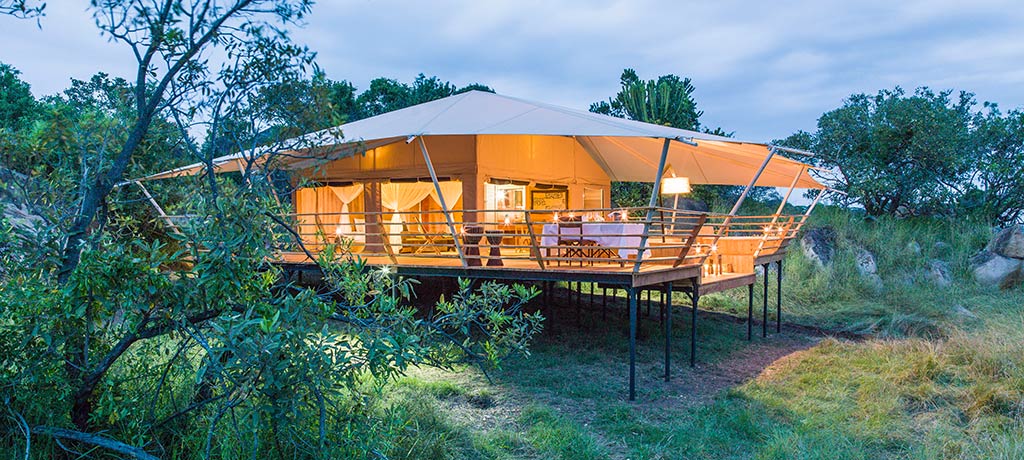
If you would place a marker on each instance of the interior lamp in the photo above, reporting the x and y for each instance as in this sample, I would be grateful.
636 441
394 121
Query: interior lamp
675 185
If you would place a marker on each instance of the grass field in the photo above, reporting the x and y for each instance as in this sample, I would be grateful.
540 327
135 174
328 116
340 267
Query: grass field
922 372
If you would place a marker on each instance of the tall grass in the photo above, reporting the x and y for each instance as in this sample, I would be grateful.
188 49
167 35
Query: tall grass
906 303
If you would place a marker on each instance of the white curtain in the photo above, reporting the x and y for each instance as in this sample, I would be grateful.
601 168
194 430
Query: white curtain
347 195
401 197
451 191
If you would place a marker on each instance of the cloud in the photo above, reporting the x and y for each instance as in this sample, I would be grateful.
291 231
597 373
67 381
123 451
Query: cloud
762 69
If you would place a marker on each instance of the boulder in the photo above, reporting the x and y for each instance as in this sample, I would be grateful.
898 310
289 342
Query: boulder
819 245
992 269
939 273
914 248
866 264
1009 242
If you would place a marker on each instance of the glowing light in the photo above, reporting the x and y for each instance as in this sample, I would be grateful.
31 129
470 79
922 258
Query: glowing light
675 185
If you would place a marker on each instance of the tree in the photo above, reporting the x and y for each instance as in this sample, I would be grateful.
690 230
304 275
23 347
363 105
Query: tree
895 153
17 105
386 95
22 8
174 343
994 189
666 101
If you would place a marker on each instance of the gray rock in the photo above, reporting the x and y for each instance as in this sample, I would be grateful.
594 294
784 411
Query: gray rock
941 248
939 273
866 264
1009 242
913 247
992 269
819 245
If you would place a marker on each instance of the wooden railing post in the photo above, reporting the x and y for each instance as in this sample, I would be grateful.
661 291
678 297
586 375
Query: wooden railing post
534 241
689 241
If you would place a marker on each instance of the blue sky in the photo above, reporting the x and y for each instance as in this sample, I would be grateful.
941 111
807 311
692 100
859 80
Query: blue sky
761 69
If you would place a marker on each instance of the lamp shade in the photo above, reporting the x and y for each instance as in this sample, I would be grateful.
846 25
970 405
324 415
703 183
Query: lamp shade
675 185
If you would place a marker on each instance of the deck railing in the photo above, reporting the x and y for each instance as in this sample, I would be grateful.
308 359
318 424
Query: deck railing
623 238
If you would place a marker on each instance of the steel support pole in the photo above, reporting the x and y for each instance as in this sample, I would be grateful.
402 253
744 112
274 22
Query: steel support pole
655 192
750 310
631 293
764 312
159 209
444 205
693 324
743 196
668 331
778 299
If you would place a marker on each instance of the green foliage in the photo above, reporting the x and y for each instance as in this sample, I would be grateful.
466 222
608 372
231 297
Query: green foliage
17 105
666 101
386 95
926 153
190 343
995 189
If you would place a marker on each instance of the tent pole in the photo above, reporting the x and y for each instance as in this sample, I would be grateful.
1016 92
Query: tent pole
807 214
444 206
789 192
159 210
746 191
655 192
778 213
815 202
743 196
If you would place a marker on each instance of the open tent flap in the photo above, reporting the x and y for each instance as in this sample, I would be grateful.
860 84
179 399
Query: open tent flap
710 162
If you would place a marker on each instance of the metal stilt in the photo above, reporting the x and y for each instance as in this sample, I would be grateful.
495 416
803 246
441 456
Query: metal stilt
750 310
764 313
632 294
778 299
668 331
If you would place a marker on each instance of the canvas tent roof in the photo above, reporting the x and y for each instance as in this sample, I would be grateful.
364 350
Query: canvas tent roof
627 150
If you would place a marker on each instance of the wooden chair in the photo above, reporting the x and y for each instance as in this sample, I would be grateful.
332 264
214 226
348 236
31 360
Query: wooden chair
431 242
576 246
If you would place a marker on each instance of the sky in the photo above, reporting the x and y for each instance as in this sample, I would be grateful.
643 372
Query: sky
761 69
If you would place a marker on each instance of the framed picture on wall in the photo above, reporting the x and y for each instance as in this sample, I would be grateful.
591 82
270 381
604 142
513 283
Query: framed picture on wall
549 200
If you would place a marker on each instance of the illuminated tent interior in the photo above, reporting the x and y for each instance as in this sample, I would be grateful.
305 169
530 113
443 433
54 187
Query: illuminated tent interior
496 152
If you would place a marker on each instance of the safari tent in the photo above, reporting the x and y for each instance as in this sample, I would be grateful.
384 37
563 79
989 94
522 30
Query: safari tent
482 185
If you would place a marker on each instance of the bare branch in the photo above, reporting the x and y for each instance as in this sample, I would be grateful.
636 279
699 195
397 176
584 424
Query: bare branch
96 440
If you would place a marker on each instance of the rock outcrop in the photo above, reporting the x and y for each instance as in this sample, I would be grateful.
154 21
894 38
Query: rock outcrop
1009 242
992 269
819 245
939 273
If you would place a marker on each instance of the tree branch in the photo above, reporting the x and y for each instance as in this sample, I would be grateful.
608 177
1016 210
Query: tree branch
96 440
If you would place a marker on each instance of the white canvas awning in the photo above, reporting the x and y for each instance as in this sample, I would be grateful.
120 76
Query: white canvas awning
627 150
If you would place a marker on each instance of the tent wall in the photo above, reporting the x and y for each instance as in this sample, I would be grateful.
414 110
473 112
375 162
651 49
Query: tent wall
555 160
452 155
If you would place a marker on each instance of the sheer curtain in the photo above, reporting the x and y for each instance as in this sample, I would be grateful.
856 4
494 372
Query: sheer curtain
347 195
451 190
400 197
